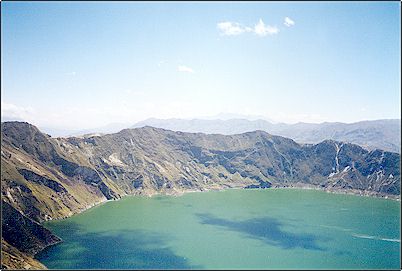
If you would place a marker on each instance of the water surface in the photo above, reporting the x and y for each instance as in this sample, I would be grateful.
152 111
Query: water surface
236 229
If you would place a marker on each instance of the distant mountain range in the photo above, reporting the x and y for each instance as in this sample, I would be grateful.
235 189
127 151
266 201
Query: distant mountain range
375 134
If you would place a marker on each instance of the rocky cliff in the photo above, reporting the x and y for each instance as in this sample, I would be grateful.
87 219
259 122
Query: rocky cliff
50 178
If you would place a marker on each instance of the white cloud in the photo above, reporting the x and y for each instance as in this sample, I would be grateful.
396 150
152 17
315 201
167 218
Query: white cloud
289 22
230 28
183 68
262 30
11 111
234 29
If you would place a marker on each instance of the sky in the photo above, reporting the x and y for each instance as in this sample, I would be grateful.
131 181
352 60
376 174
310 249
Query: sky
79 65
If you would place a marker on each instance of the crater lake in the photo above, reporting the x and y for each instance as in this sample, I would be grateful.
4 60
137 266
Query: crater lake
233 229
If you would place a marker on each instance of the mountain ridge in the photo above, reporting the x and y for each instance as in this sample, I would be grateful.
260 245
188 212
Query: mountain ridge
370 134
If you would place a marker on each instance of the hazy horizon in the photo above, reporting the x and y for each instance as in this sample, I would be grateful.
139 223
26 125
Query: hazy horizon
80 65
212 118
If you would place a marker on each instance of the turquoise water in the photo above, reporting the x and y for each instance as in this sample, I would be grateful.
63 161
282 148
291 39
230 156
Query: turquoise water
236 229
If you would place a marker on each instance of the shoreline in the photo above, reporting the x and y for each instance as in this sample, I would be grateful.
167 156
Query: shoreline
176 193
301 186
355 192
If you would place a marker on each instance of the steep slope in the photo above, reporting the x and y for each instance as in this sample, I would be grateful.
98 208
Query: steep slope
50 178
12 258
24 233
377 134
149 160
36 173
76 172
40 183
21 239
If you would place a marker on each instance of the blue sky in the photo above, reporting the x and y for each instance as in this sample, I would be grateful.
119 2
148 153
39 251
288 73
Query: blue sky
82 65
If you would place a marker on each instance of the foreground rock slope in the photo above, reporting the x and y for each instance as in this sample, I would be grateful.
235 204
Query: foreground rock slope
47 178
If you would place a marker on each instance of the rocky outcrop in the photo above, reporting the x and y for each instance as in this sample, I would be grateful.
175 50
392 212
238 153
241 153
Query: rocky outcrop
36 178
